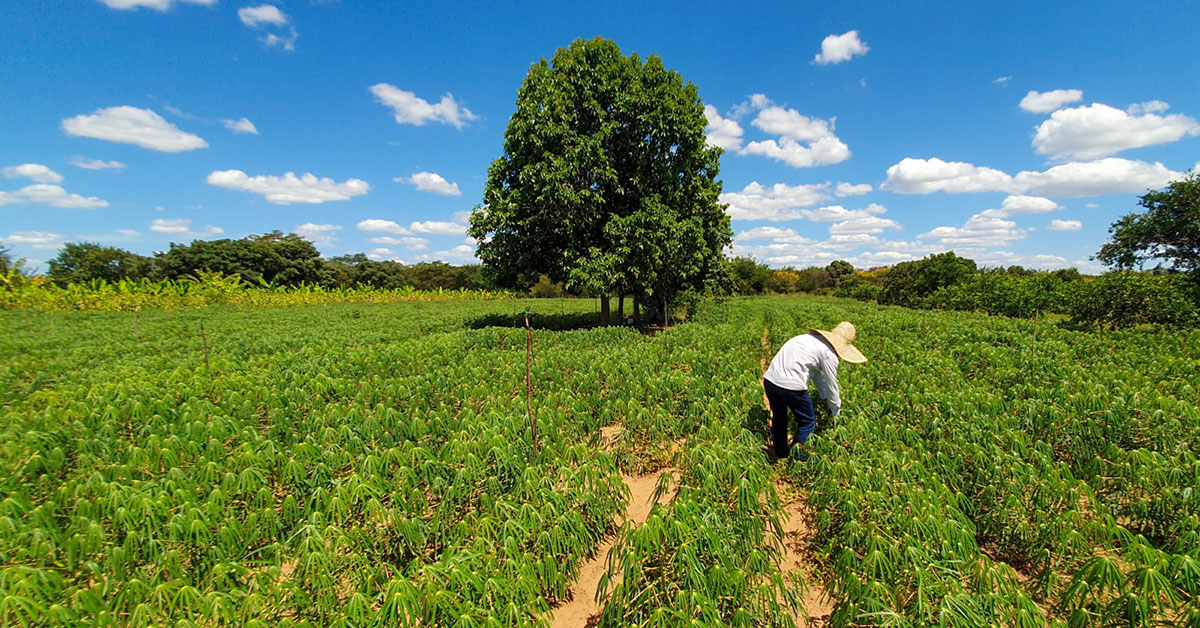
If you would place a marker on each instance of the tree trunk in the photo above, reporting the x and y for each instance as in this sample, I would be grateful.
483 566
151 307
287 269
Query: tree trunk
666 312
621 307
604 309
637 309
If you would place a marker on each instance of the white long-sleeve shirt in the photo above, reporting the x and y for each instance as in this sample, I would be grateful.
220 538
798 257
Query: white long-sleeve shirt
803 357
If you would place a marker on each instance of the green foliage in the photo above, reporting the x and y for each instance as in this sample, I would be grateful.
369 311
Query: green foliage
749 276
272 258
372 464
1168 230
908 283
606 183
857 288
1127 299
839 271
83 262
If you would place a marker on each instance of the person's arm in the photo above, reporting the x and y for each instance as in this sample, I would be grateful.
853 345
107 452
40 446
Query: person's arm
827 384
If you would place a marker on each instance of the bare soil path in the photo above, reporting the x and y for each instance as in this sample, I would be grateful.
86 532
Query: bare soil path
582 609
798 533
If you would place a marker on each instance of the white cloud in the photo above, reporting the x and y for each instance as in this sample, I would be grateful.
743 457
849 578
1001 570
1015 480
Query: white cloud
268 16
977 231
157 5
381 254
1091 205
827 150
1150 106
95 164
130 125
839 48
431 182
926 176
1045 102
410 243
287 42
850 189
240 126
460 252
410 109
35 172
262 14
1098 130
1093 178
44 240
803 142
378 225
723 132
52 195
863 225
289 189
775 203
773 234
183 227
116 235
837 213
1003 80
438 228
1021 204
1065 225
317 234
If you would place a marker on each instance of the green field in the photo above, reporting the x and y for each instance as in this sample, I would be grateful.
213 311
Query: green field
374 465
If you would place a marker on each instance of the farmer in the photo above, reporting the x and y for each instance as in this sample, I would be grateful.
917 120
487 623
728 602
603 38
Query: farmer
812 355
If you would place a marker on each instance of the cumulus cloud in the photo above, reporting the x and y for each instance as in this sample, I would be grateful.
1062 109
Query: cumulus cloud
1065 225
1099 130
410 243
1150 106
378 225
52 195
850 189
290 189
35 172
1021 204
431 182
240 126
95 164
268 16
926 176
839 48
317 234
773 234
262 14
411 109
44 240
977 231
778 202
182 227
382 254
1093 178
723 132
130 125
1045 102
116 235
438 228
863 225
803 142
157 5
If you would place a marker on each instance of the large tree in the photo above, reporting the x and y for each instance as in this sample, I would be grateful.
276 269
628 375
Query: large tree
607 183
1169 230
79 262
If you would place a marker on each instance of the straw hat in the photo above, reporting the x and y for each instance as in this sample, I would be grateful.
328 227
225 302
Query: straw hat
840 339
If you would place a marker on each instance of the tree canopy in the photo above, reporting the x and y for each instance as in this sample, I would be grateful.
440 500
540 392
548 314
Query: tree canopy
607 183
1169 229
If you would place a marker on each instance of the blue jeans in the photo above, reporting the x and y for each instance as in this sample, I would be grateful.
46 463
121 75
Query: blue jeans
800 403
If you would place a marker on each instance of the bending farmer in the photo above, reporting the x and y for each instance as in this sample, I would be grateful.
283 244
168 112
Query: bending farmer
814 355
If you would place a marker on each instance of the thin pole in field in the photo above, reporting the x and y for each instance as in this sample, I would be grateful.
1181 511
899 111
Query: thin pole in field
204 338
529 377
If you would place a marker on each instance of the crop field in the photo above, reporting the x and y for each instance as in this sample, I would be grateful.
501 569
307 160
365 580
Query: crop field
396 464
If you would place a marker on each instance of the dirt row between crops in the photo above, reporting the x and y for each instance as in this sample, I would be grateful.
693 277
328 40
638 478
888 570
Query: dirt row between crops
583 610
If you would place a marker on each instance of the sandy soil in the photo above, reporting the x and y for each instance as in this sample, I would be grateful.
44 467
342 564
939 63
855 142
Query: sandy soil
583 609
797 555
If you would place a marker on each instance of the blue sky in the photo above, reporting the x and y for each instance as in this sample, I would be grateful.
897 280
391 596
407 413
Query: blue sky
873 132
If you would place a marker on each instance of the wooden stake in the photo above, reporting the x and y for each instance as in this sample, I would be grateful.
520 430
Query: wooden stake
137 330
529 378
204 338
